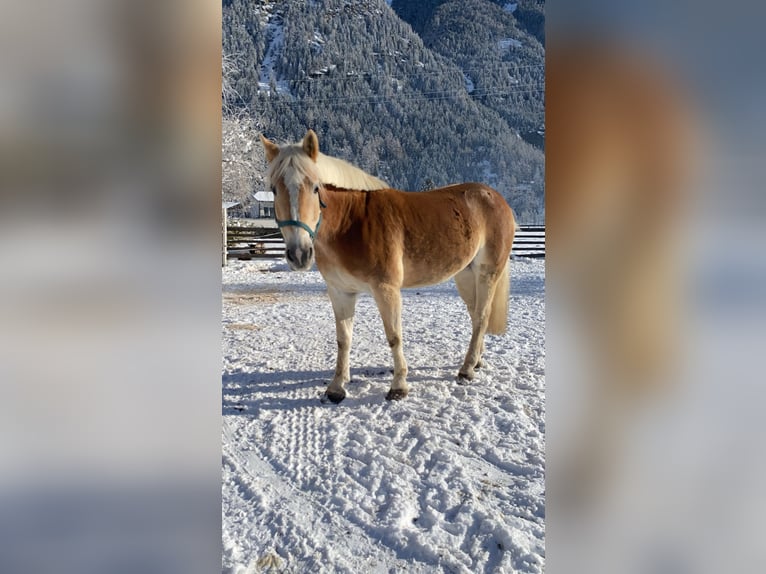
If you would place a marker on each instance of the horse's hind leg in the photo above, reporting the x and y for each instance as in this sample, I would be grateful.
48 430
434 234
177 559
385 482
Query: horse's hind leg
389 301
486 278
343 305
466 287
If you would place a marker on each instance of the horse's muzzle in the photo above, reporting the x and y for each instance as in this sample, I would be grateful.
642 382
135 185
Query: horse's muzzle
300 259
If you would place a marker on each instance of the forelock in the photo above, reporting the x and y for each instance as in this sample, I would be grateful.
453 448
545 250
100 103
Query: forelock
293 164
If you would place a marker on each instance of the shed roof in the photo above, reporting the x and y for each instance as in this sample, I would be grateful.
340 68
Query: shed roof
263 196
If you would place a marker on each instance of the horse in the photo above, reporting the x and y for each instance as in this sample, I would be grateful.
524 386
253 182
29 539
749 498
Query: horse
367 237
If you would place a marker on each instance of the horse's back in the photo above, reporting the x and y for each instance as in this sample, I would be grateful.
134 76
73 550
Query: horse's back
470 208
476 200
444 229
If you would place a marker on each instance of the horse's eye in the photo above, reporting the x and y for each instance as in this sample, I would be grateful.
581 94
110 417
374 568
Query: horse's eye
316 188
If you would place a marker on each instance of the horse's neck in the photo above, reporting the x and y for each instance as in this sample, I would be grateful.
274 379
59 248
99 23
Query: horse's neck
342 208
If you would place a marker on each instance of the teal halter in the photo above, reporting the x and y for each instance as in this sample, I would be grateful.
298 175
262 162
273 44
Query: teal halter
296 223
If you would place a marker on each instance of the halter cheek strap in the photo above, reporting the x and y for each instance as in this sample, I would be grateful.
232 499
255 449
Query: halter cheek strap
297 223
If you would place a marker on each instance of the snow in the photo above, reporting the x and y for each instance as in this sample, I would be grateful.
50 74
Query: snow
511 7
469 85
275 30
508 43
449 479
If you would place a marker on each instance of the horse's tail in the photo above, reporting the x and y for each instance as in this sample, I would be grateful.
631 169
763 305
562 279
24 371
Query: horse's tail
498 314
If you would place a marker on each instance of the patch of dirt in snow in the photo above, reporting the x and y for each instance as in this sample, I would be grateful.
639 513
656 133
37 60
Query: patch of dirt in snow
250 298
450 479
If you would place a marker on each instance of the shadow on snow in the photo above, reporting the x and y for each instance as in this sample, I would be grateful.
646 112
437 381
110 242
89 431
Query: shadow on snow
250 392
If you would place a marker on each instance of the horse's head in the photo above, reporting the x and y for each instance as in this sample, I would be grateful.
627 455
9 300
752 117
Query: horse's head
294 180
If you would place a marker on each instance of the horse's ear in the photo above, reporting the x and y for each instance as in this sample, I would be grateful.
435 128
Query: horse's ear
272 149
311 144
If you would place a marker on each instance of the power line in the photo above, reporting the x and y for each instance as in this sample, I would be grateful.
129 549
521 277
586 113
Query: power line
381 98
363 76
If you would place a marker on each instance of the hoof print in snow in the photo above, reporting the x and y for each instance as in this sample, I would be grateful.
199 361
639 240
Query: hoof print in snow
333 397
396 394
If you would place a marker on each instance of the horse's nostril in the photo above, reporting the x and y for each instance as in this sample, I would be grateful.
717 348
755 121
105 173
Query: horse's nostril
310 252
290 256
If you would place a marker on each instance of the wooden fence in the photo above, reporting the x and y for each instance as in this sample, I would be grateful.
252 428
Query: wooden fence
254 243
529 241
258 243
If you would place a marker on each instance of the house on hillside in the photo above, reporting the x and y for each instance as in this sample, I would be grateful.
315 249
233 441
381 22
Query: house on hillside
263 208
233 208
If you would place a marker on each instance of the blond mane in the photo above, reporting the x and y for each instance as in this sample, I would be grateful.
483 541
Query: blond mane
328 170
334 171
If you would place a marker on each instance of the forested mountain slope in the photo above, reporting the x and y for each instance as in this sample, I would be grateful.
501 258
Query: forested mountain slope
501 61
449 105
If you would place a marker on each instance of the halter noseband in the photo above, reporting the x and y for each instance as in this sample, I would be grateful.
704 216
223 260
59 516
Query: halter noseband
297 223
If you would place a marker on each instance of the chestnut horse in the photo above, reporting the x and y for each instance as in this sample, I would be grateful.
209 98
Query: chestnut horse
367 237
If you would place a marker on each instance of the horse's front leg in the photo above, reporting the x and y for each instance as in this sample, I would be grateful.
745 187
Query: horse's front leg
343 305
389 302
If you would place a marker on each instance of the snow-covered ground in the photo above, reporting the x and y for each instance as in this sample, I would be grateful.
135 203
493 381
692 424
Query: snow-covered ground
451 479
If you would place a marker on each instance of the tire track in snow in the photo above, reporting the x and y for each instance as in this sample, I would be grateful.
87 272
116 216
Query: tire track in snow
336 537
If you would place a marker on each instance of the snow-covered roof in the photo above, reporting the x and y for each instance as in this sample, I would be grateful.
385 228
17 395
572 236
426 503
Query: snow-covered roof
263 196
229 204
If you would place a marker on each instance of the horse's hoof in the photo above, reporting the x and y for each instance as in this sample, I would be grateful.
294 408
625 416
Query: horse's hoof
464 378
335 396
396 394
479 364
